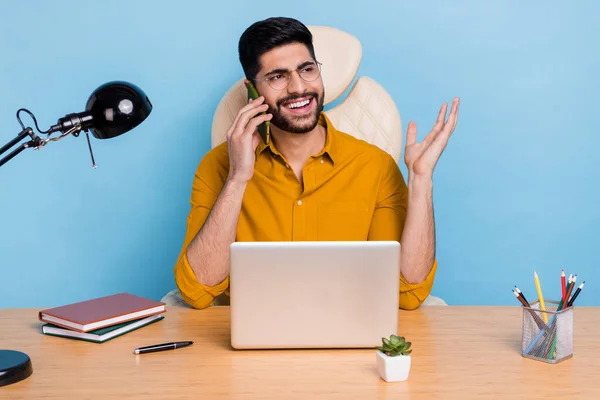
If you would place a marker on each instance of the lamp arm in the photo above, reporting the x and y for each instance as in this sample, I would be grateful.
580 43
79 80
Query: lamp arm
34 142
23 134
72 123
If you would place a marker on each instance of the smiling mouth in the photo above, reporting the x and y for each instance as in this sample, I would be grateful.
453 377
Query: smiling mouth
299 105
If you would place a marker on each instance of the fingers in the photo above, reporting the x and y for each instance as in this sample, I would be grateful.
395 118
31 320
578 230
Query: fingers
442 138
456 113
439 123
252 104
438 126
441 131
253 124
451 123
246 116
411 134
240 112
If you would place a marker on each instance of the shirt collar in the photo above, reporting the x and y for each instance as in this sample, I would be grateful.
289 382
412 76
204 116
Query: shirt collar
330 147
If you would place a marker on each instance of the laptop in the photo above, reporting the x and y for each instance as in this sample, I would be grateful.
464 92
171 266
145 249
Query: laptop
313 294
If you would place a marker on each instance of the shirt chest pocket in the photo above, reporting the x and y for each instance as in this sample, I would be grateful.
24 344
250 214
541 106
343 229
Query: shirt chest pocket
343 220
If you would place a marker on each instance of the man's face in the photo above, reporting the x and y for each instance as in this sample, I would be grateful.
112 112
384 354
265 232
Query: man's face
295 108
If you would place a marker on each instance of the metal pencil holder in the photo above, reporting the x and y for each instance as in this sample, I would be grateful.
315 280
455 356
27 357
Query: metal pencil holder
547 335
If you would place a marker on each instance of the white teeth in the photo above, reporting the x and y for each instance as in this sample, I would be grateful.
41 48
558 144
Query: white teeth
299 104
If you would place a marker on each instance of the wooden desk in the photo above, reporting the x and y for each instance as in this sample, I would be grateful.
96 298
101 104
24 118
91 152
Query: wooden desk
459 352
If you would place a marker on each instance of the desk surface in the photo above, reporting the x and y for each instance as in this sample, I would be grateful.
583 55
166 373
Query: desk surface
458 352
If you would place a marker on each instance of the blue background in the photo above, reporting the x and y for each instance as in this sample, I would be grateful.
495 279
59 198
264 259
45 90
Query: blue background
515 191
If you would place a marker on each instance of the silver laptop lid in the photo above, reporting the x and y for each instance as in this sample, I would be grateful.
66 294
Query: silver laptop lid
313 294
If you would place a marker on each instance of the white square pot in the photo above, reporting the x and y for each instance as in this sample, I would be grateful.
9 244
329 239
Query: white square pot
393 369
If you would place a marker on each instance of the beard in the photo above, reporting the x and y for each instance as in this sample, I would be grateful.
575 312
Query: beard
301 123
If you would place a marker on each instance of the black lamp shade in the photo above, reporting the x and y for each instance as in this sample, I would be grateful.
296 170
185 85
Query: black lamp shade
117 107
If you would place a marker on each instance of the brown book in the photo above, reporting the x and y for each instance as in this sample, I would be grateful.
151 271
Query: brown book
101 312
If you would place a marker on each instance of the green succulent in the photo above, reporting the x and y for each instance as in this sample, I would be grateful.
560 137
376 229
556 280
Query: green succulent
395 346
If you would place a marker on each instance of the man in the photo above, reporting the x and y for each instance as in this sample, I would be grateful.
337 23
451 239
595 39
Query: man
311 182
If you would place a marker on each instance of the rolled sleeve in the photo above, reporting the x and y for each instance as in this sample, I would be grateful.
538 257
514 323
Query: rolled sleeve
208 182
412 295
192 291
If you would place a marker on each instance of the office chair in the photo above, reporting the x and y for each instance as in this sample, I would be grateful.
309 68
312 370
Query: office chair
368 112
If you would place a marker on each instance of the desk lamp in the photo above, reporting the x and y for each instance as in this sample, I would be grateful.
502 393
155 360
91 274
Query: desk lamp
112 109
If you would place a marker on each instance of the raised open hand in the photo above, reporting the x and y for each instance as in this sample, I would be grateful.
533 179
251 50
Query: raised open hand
421 158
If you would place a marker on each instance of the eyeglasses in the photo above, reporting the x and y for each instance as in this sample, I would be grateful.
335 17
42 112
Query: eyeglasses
280 79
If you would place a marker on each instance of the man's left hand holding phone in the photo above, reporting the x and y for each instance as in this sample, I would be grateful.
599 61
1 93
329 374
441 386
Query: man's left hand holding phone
243 138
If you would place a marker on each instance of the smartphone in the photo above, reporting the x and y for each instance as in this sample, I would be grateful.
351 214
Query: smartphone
265 128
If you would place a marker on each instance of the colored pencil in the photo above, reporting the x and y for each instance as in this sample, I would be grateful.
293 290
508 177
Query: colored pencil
536 317
520 298
538 287
563 285
569 291
562 301
522 295
552 349
575 294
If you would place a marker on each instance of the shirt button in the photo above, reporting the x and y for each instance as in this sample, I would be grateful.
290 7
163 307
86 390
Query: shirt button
322 161
299 202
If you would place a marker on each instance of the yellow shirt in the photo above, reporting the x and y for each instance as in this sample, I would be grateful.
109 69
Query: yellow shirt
351 190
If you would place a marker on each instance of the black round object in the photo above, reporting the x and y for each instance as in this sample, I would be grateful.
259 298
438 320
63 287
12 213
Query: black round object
14 367
117 107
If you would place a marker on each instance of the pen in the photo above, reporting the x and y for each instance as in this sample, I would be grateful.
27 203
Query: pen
161 347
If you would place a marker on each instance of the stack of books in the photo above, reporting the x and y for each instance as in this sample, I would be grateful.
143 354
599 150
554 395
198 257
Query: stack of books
101 319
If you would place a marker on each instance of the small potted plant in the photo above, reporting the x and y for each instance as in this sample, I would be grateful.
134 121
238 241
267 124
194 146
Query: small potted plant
393 359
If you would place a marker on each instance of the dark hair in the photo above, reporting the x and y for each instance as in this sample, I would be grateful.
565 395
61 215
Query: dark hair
267 34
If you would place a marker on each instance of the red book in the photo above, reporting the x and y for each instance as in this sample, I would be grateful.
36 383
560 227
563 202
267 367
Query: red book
101 312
